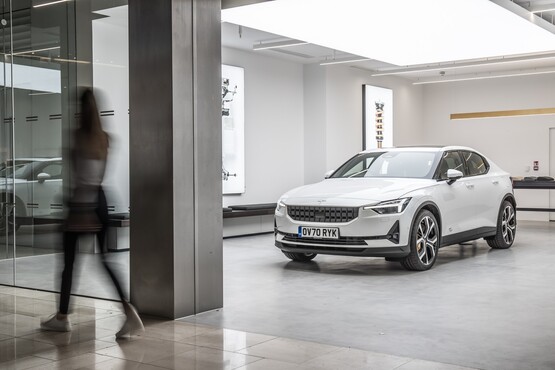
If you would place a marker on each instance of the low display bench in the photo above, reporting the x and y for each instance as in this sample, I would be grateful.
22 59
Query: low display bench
248 219
545 185
117 238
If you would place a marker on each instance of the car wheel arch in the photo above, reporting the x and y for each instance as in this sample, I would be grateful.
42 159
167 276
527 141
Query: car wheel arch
19 204
509 197
434 209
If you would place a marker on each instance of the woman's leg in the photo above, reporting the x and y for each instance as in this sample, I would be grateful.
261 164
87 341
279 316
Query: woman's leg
70 245
102 212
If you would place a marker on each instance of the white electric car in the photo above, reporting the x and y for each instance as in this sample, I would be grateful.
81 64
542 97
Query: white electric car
400 203
33 186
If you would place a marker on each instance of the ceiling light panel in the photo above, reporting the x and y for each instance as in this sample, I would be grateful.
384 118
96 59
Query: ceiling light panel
400 32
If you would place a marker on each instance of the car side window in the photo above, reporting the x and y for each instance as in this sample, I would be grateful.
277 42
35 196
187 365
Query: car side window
475 163
450 161
54 170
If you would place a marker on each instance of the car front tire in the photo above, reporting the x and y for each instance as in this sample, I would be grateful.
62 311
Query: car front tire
300 257
506 227
424 243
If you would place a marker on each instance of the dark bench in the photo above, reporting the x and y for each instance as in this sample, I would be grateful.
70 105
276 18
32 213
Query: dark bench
520 184
247 210
118 219
114 220
248 219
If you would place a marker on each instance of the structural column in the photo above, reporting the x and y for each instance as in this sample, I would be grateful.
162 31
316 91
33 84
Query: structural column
175 156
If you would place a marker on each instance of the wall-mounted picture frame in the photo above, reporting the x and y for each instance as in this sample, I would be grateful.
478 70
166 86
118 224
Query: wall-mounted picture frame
377 117
233 130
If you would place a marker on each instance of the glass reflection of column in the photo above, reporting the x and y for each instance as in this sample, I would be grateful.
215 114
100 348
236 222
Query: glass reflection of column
379 124
6 148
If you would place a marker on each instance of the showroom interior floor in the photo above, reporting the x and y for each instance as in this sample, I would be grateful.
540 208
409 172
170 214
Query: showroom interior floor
478 308
164 345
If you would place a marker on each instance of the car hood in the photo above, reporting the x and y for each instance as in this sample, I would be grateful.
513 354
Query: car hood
9 181
353 192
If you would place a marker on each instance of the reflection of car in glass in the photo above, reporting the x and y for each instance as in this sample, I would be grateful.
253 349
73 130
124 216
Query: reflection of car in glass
38 188
399 203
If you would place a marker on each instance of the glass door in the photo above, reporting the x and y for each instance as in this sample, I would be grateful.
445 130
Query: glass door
7 165
42 84
36 74
49 51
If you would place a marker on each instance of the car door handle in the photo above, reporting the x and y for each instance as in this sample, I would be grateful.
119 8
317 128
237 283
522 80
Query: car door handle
469 186
495 182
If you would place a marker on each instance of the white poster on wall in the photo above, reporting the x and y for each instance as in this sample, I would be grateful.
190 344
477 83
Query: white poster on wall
377 130
233 130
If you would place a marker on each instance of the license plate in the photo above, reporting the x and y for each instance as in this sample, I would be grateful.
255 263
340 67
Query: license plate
318 232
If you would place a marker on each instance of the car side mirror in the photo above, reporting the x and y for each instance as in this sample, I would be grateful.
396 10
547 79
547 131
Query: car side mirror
42 177
328 174
453 175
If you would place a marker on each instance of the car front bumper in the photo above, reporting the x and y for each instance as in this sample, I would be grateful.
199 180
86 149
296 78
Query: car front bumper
369 235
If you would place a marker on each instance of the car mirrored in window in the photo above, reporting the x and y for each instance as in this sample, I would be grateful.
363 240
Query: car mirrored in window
450 161
475 164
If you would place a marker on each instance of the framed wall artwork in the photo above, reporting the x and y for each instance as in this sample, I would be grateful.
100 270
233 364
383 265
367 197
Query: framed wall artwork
233 130
377 117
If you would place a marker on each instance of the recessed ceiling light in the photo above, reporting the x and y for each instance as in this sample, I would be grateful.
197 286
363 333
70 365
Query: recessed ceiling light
342 61
49 3
399 32
465 64
277 44
484 77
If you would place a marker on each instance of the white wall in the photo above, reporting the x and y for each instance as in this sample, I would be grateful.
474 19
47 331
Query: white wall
274 134
511 142
111 85
343 113
315 123
301 121
41 138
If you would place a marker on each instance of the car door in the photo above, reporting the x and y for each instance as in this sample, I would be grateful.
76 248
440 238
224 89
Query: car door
47 193
455 199
484 188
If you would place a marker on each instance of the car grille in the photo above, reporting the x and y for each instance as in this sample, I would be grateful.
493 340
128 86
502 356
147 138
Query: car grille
341 241
322 214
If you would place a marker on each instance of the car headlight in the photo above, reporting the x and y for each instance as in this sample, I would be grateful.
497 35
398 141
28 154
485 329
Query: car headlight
389 206
281 207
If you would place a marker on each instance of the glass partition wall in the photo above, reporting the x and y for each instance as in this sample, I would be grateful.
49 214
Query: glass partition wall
49 51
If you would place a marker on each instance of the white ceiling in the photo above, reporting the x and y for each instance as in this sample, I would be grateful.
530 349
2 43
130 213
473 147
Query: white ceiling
244 38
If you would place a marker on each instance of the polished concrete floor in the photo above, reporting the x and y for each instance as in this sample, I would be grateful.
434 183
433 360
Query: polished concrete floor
477 308
164 345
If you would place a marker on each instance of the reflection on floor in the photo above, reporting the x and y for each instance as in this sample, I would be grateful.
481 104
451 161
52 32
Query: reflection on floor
164 345
43 272
479 308
39 264
32 241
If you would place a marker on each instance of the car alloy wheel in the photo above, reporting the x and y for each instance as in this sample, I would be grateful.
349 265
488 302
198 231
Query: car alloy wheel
508 224
506 227
6 218
426 242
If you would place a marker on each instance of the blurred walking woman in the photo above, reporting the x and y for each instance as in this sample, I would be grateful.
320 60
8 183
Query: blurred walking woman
88 211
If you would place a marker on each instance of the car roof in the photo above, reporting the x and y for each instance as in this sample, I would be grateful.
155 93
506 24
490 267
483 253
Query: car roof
422 148
38 159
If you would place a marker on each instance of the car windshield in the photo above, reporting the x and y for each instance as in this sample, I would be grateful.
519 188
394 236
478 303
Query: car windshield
20 171
408 164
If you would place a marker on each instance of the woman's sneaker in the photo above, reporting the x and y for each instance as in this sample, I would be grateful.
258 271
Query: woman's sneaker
55 324
132 323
